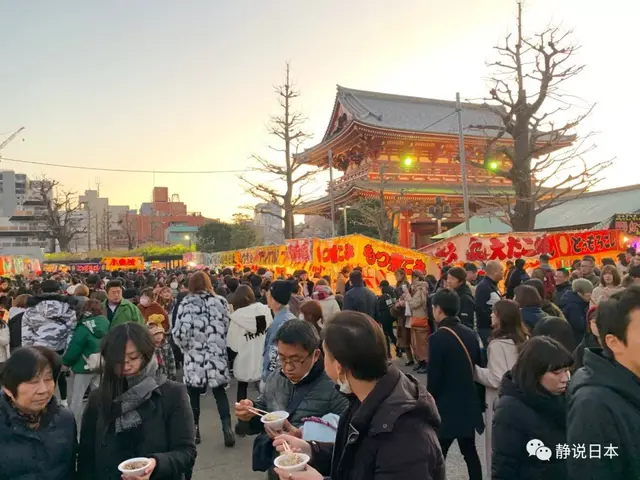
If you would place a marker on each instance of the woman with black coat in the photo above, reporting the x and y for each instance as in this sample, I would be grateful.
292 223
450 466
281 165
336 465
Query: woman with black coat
37 435
530 415
389 430
457 281
136 412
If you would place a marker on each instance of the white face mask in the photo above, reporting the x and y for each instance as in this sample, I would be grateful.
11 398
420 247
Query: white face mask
344 386
174 285
145 301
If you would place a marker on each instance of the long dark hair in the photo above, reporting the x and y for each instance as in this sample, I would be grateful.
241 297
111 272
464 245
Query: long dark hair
113 348
511 326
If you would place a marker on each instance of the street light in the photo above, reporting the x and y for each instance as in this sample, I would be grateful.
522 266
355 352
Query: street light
187 237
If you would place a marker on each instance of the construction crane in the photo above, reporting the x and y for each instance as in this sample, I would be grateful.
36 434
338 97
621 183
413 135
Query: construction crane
10 138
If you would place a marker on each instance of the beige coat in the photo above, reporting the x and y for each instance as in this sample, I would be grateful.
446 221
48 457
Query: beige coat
502 354
418 302
341 283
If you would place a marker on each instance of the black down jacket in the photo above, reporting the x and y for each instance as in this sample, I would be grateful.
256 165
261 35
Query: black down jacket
519 418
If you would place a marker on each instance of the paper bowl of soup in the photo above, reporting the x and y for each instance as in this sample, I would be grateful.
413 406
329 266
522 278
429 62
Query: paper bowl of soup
292 462
134 467
275 420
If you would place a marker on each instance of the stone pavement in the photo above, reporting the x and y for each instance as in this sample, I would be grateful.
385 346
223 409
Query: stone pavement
215 462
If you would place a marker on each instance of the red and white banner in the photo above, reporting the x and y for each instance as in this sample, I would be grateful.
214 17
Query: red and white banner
511 246
300 250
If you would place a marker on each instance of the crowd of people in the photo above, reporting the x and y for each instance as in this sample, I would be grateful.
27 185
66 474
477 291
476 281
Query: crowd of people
96 369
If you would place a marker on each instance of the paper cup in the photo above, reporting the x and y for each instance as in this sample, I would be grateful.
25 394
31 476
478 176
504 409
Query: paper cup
299 467
138 472
276 424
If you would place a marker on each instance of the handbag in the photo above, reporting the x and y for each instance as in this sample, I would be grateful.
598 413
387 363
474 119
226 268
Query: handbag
480 389
93 363
419 322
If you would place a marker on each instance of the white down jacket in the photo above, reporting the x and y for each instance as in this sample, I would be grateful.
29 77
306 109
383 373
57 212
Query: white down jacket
246 337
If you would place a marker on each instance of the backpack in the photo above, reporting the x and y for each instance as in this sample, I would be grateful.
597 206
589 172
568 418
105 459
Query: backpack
549 284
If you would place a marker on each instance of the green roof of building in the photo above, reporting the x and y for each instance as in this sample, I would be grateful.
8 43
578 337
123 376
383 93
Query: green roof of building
476 225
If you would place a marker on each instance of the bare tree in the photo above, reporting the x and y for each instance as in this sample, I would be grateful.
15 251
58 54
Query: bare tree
292 174
60 212
127 225
378 213
106 227
544 160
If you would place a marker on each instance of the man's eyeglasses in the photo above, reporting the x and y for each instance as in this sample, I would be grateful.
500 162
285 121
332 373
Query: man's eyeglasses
293 361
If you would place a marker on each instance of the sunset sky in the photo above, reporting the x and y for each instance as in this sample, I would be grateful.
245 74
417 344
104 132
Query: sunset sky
187 85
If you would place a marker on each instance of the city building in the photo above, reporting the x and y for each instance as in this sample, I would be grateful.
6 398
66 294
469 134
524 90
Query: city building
408 147
181 235
13 188
268 226
23 230
100 222
151 223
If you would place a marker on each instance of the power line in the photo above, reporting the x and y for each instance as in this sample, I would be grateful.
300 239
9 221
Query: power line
121 170
438 121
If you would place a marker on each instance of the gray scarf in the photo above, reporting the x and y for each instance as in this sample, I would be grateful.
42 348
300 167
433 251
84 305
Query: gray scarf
140 388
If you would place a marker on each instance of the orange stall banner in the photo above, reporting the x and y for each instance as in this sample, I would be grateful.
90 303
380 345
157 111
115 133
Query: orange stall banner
123 263
378 260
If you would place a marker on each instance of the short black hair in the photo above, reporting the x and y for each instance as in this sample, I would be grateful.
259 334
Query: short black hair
544 257
558 329
614 314
113 284
565 272
448 301
538 356
355 277
26 363
357 343
299 332
608 261
232 283
470 267
520 263
50 286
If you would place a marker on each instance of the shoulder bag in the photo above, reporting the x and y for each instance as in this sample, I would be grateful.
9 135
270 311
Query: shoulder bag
480 389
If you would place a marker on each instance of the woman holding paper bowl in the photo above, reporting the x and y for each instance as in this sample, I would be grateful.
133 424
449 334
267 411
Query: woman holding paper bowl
137 415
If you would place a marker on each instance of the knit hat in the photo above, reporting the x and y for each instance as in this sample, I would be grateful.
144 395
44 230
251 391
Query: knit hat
321 292
281 291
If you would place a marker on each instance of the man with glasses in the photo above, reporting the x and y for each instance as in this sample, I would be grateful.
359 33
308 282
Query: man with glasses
300 387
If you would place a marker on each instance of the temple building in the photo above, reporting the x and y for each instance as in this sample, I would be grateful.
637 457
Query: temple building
407 147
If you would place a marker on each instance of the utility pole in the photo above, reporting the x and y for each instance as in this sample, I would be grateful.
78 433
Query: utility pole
98 246
331 196
88 209
463 164
345 220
